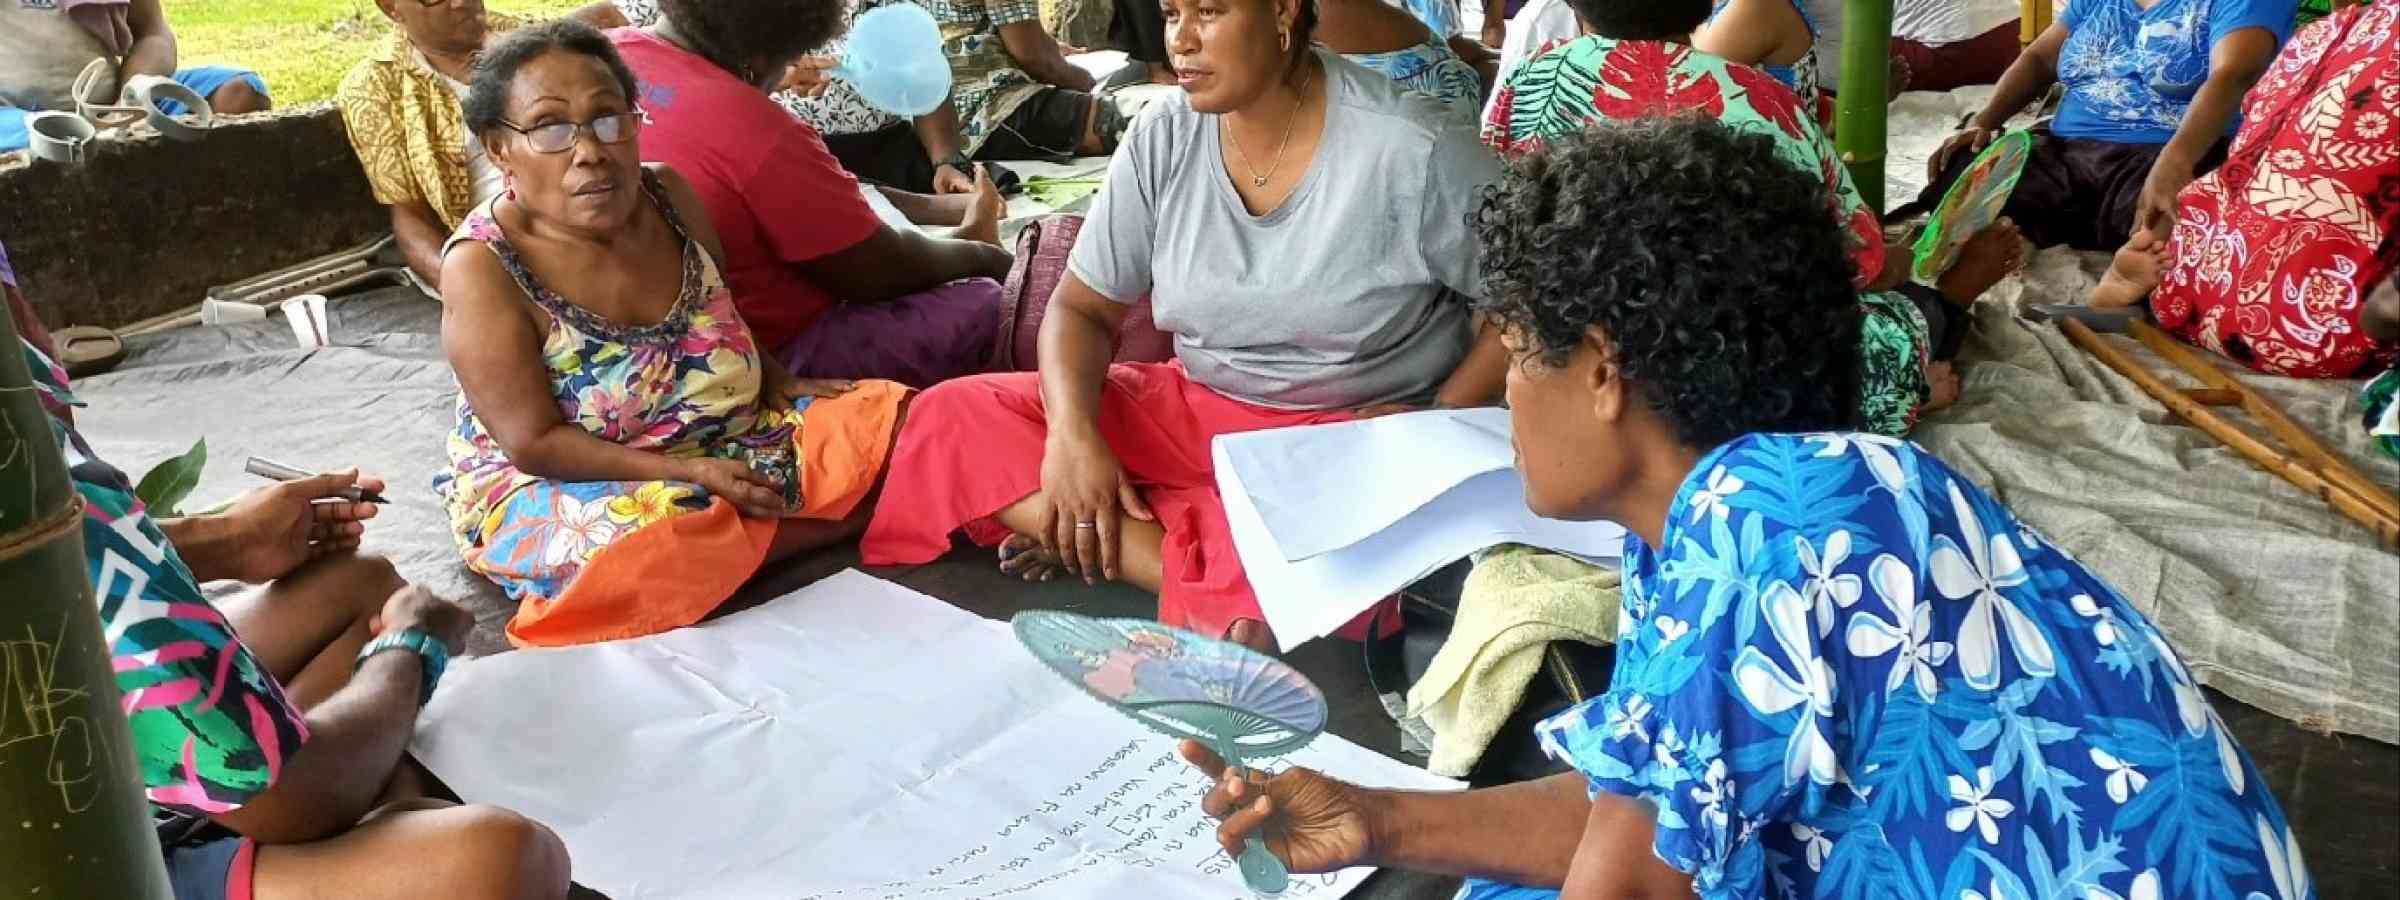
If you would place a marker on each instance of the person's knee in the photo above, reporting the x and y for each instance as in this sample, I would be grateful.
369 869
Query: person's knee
237 97
502 855
363 580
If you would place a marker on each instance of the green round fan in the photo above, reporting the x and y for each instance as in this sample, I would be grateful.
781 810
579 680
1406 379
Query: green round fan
1973 202
1240 703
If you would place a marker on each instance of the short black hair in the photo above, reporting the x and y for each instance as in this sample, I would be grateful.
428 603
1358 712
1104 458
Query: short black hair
1717 270
486 103
742 35
1642 20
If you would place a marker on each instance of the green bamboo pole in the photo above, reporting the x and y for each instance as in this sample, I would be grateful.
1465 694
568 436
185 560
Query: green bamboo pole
1860 112
73 822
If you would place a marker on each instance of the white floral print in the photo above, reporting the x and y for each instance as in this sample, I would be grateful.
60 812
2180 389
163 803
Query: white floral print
1910 630
1721 485
1977 807
1978 573
2124 780
1809 689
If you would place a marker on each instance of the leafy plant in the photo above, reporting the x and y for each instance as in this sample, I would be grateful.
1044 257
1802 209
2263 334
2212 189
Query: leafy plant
169 483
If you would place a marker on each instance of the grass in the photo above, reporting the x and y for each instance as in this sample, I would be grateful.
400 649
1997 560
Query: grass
302 47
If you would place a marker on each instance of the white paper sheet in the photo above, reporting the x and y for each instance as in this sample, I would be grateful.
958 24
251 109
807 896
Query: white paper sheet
1329 519
853 739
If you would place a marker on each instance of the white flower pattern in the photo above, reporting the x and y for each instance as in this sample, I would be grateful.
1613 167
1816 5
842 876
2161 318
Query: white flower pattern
1910 630
1977 807
1978 574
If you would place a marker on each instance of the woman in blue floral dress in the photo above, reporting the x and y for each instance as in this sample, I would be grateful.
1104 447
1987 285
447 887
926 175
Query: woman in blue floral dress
1844 671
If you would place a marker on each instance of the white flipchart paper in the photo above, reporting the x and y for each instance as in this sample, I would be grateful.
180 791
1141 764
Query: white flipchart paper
1330 519
854 739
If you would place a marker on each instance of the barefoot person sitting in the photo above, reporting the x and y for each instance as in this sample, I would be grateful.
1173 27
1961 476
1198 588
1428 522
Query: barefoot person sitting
271 727
1637 62
1983 711
2249 272
1299 224
625 455
2153 87
45 45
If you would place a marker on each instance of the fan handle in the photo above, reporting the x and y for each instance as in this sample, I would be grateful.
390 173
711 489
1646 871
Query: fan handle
1266 875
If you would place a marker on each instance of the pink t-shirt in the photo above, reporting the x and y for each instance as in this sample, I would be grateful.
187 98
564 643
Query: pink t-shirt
777 196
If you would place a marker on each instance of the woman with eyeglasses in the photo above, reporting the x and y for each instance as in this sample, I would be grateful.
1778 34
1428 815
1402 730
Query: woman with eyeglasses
607 382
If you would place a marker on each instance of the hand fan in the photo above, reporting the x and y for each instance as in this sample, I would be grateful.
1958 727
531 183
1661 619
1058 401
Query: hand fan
1242 704
1973 202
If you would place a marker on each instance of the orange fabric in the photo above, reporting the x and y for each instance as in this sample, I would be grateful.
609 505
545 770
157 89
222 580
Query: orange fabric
665 575
673 572
844 445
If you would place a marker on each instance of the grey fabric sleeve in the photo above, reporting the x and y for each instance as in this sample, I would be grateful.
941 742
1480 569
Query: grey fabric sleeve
1112 253
1455 177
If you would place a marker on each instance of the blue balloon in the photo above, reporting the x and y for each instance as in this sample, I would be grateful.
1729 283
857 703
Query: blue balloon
895 60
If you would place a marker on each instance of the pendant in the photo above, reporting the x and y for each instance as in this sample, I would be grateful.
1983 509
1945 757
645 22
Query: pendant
1258 181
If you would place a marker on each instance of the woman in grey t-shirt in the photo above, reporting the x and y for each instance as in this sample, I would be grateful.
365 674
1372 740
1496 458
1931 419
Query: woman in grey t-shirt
1300 225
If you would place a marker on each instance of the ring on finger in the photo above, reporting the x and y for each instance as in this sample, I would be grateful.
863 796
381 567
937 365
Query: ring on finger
1081 525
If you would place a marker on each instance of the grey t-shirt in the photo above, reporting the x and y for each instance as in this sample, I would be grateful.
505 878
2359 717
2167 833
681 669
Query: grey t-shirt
1340 297
41 52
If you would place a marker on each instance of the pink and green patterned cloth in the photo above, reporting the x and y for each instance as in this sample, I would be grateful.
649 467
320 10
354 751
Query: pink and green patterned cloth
211 726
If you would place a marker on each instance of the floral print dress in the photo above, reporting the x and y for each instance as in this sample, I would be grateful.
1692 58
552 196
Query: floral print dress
1847 672
1431 69
687 386
1570 84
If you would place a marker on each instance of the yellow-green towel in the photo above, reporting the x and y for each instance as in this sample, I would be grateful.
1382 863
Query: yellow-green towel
1516 602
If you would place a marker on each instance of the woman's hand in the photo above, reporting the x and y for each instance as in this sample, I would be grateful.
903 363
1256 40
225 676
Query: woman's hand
1970 140
1313 823
2156 211
415 607
271 531
1495 31
808 77
949 179
1088 492
756 495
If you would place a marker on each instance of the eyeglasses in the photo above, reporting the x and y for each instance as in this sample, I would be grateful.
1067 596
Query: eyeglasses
559 137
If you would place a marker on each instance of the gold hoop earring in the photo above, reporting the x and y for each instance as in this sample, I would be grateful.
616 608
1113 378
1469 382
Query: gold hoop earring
1284 35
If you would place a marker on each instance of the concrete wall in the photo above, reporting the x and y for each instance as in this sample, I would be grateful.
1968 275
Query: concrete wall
147 225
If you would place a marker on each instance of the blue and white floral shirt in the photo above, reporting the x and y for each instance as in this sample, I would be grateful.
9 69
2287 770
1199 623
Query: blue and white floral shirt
1847 672
2131 72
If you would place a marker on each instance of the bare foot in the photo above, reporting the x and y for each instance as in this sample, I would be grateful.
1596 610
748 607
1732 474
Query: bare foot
1253 634
1024 557
2133 274
1989 256
1943 377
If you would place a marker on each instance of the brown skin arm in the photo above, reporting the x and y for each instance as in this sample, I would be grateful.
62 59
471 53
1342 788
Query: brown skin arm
420 237
1615 861
355 739
891 263
1038 54
1480 378
153 51
1525 833
1079 337
495 345
2234 64
603 15
2035 70
1751 32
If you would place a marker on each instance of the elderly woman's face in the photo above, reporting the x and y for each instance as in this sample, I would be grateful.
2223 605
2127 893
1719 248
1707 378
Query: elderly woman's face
1227 53
588 183
455 26
1565 437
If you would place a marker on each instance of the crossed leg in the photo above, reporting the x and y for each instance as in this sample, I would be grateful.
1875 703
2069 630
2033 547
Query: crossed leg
307 628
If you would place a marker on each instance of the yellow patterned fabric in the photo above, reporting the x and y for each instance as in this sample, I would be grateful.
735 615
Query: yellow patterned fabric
406 127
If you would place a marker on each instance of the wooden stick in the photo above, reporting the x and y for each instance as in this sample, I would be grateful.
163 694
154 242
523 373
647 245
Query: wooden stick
2292 434
2307 479
2214 397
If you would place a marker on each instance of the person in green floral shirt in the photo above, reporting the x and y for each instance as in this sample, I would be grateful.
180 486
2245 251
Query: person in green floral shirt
1637 60
271 728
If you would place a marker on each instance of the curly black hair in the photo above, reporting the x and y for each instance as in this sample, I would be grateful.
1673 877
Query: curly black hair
1642 20
752 37
486 103
1717 271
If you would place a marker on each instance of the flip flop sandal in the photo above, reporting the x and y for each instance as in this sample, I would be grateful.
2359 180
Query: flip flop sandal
87 350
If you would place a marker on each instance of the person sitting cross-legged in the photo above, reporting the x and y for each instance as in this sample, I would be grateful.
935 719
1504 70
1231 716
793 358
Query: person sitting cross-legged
45 46
271 728
1844 670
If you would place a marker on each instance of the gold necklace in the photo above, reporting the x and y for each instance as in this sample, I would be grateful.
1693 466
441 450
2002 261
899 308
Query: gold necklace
1256 178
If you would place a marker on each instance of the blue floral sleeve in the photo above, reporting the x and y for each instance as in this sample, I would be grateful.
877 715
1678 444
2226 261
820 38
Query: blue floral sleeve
1720 709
